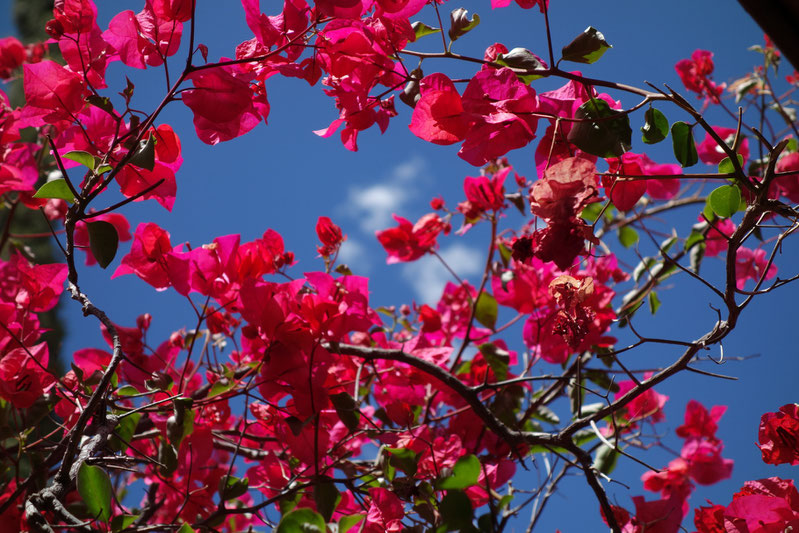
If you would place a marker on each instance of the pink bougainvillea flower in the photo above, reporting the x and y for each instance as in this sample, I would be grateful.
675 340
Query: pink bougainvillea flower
500 108
223 104
648 404
438 116
624 192
699 422
709 519
789 185
153 259
53 94
12 55
525 4
751 264
386 512
706 466
717 237
75 16
764 506
409 242
779 436
330 235
23 375
87 53
695 75
484 193
711 153
143 39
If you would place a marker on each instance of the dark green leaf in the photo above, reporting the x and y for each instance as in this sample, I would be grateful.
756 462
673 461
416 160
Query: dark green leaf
656 126
608 136
404 459
627 236
654 302
421 29
103 102
605 460
326 496
120 522
486 310
726 166
682 139
601 378
103 241
168 458
497 359
587 47
456 510
724 201
465 473
94 486
145 154
347 410
295 425
84 158
124 432
302 521
55 189
695 257
546 414
231 487
460 23
521 58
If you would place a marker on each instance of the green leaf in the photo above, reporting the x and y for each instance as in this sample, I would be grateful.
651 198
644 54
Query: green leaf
465 473
591 212
120 522
231 487
656 126
287 503
168 458
302 521
486 310
521 58
606 458
124 431
186 528
127 390
221 386
726 166
627 236
609 137
55 189
94 486
327 497
654 302
84 158
601 378
547 415
421 29
695 257
497 359
346 409
682 139
725 200
456 510
460 23
404 459
587 47
103 241
145 154
345 523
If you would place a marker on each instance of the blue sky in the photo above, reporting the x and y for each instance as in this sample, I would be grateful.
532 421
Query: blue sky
282 176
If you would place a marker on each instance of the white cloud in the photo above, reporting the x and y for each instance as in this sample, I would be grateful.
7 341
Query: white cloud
373 205
428 276
353 254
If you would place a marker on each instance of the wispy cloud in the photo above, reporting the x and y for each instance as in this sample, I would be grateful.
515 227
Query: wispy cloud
428 276
353 254
373 205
